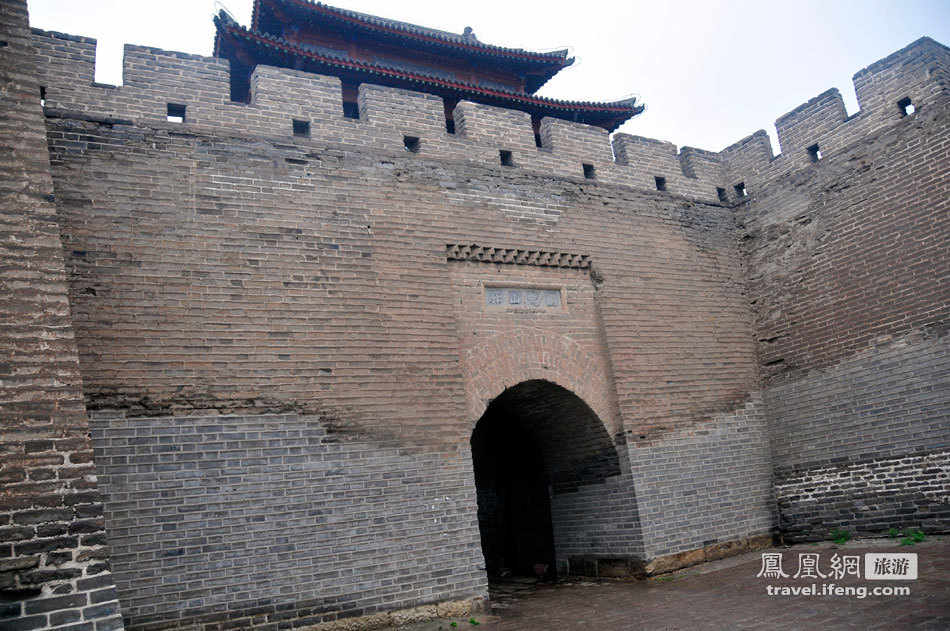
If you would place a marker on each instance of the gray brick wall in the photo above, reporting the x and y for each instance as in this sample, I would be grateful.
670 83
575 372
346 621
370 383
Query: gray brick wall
598 521
861 445
267 518
845 259
706 485
886 401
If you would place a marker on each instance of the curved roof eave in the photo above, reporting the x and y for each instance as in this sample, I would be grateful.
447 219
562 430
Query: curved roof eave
607 115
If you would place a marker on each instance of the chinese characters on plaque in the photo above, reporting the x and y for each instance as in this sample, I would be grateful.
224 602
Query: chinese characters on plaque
523 298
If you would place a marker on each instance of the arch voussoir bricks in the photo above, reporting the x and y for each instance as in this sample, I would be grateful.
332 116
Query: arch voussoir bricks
508 359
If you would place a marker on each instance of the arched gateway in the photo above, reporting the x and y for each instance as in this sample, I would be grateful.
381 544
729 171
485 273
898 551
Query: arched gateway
550 485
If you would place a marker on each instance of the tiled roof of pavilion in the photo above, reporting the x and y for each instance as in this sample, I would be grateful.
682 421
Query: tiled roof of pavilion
414 34
267 48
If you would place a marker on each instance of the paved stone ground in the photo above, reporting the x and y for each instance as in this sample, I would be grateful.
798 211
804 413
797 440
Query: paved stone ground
728 595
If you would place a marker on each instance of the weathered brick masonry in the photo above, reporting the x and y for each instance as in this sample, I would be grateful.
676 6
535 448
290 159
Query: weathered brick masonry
849 260
54 564
288 341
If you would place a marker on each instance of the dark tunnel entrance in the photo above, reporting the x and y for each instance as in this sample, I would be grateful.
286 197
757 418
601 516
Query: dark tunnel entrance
514 511
535 441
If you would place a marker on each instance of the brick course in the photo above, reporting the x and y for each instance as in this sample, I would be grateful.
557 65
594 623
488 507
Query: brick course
872 496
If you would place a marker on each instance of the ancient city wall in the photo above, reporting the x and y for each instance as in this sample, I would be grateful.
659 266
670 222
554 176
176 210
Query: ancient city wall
289 322
401 210
224 265
848 260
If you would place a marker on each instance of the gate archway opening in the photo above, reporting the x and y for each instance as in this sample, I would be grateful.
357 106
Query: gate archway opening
534 442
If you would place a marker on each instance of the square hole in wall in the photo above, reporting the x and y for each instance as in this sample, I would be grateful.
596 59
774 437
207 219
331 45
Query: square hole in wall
411 143
660 183
506 158
175 113
351 109
448 105
814 153
740 190
301 128
589 171
350 91
536 126
721 194
906 106
43 95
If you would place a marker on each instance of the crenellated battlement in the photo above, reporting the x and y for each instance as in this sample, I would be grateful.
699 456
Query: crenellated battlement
689 170
170 88
914 78
162 88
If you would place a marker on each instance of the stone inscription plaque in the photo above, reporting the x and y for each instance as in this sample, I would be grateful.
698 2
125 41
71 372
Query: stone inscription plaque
523 298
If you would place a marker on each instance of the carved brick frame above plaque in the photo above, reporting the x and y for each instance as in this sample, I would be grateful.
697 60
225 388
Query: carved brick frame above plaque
541 258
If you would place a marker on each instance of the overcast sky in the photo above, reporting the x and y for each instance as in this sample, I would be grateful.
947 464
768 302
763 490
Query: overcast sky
709 72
